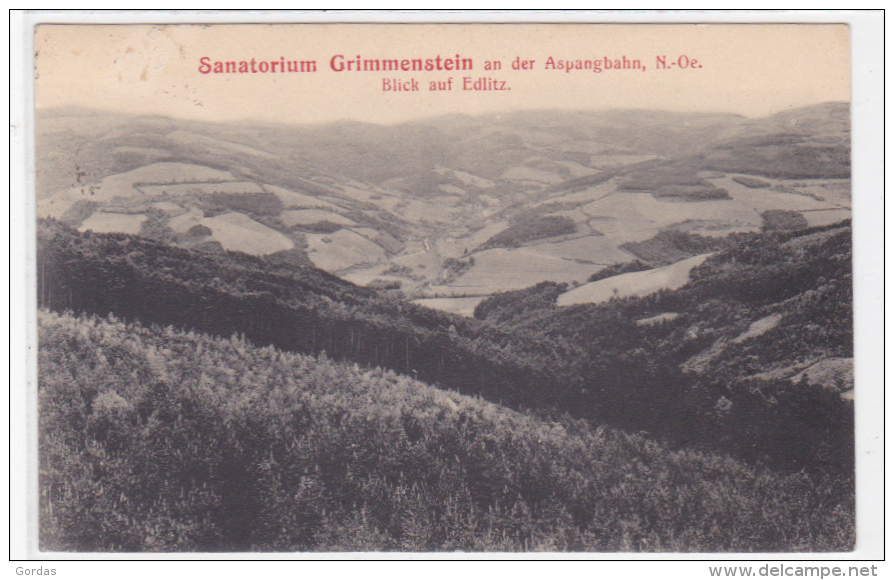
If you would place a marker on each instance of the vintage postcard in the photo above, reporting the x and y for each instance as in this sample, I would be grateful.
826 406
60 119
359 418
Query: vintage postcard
433 288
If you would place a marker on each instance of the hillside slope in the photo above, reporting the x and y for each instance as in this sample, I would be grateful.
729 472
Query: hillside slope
717 361
570 191
157 440
699 378
633 283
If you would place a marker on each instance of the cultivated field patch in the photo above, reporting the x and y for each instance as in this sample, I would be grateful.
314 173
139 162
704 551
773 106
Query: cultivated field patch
591 249
521 173
121 185
633 283
826 217
312 216
294 200
464 306
200 188
239 233
500 269
113 223
342 249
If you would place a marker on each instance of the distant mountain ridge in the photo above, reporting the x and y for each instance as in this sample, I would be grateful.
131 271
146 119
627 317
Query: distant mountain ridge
385 151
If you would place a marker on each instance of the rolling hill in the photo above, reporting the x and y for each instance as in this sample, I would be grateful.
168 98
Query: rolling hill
422 192
544 330
523 348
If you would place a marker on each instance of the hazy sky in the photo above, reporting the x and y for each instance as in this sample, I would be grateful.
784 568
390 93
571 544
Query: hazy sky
750 69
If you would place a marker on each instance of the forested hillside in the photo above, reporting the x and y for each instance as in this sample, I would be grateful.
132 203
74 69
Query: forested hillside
721 364
154 439
294 308
719 360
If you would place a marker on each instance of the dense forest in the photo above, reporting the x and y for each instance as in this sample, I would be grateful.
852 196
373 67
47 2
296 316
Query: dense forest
154 439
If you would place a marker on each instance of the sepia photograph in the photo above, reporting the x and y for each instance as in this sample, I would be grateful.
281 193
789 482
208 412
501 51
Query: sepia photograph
438 288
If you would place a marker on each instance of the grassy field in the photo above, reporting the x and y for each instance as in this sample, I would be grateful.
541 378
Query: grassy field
634 217
457 243
195 140
466 178
633 283
500 269
464 306
593 249
427 211
293 200
311 216
121 185
835 191
342 249
103 223
198 189
586 195
760 200
826 217
529 174
184 221
239 233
